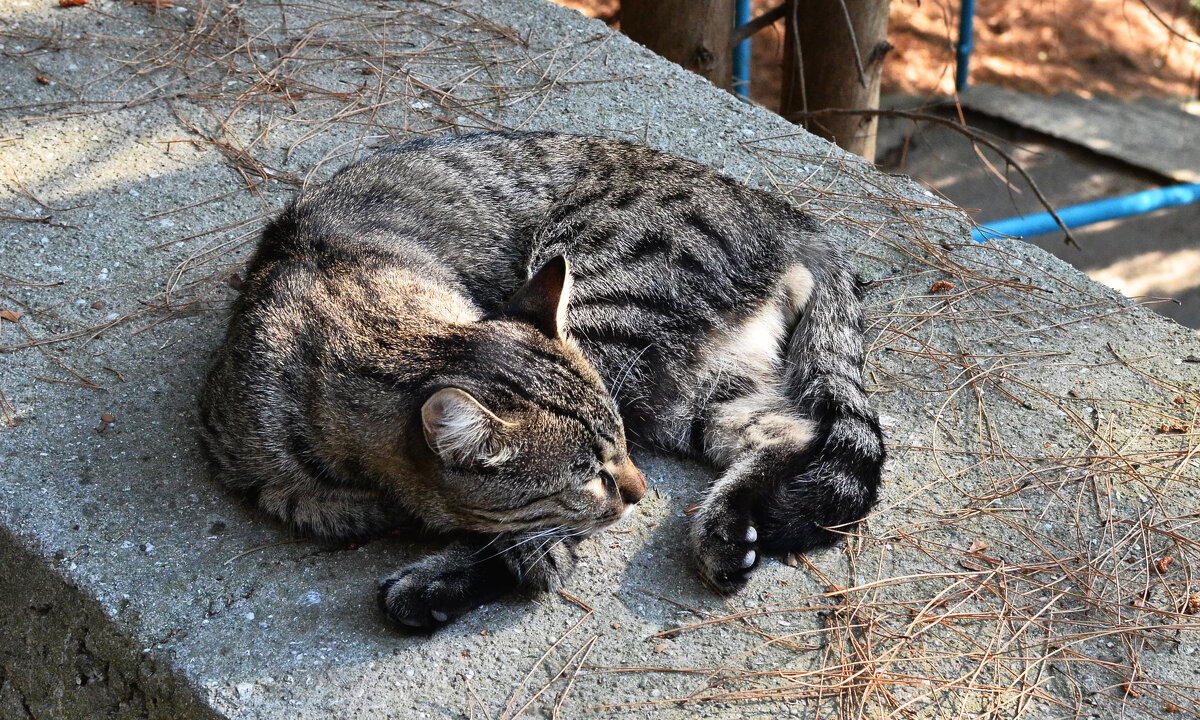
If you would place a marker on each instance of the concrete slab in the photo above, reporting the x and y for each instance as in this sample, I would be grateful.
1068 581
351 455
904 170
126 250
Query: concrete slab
1156 136
1042 429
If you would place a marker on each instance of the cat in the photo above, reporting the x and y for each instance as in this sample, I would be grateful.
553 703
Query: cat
459 333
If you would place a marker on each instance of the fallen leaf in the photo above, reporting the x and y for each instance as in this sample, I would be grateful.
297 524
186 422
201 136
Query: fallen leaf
1191 606
1171 708
9 315
977 546
105 421
941 285
1163 563
71 3
1130 690
1180 401
98 305
661 647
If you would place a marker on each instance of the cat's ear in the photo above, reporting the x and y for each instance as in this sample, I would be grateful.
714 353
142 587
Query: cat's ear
460 429
542 300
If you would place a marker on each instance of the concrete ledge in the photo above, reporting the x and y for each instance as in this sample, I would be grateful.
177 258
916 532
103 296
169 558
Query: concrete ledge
1012 568
61 656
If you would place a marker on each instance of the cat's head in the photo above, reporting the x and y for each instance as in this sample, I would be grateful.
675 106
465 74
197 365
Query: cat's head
530 439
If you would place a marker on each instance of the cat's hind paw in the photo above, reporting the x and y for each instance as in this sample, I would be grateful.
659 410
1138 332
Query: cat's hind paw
726 544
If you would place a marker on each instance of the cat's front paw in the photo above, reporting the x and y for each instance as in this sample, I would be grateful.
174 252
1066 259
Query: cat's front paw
725 542
423 596
412 604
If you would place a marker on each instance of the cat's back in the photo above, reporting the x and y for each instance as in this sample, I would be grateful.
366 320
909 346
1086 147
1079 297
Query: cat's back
323 313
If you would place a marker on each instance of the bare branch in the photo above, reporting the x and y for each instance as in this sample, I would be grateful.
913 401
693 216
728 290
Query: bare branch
961 130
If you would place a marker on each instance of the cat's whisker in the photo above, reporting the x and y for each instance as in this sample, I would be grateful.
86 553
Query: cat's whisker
545 548
493 541
527 539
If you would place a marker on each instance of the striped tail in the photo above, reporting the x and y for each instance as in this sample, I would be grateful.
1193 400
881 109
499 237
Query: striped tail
834 482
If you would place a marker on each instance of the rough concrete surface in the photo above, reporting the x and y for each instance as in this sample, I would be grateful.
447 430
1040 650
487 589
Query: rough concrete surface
1042 428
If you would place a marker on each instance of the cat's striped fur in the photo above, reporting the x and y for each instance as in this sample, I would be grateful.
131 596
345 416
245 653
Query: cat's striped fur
702 316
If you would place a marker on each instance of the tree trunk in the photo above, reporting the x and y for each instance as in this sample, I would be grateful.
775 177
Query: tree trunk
694 33
828 72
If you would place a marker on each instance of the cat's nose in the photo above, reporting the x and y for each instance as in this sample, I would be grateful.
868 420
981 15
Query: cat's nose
631 483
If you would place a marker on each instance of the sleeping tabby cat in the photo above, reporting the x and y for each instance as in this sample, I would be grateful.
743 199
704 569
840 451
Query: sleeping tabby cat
460 333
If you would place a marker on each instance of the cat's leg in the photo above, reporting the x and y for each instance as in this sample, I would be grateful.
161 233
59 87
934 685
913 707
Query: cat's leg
796 472
833 483
331 514
801 449
438 588
755 437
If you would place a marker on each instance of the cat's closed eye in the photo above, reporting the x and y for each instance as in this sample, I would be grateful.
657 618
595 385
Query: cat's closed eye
610 482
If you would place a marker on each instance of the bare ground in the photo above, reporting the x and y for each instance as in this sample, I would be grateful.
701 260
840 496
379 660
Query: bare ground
1118 47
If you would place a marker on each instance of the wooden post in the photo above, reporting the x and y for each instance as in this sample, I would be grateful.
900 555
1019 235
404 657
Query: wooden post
694 33
830 68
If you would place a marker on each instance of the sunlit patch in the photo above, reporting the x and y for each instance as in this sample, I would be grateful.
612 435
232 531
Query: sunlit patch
1152 273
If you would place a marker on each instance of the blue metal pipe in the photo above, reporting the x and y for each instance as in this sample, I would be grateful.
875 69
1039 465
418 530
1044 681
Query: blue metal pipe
741 54
1093 212
965 44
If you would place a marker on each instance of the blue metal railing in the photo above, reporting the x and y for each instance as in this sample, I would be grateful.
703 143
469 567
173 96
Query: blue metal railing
1089 213
966 43
741 54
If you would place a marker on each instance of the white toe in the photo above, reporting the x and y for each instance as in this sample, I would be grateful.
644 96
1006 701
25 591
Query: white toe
751 534
438 615
749 559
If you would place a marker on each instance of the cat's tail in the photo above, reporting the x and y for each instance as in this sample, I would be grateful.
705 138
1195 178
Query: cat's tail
834 482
